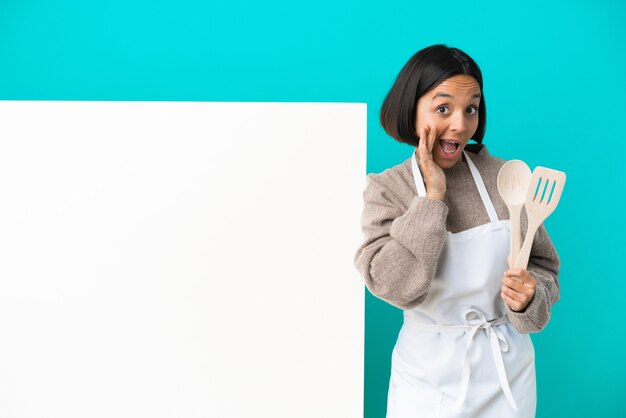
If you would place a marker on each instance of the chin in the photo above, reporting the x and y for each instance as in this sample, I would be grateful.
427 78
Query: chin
447 163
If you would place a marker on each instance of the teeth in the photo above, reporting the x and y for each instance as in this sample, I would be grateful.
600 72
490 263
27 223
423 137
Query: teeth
445 149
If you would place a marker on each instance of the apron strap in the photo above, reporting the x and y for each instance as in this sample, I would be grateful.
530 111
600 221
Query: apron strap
491 211
417 176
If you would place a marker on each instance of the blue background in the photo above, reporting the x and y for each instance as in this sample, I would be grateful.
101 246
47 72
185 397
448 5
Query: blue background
554 84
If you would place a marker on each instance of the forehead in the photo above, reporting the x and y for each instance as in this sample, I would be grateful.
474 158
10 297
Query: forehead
459 85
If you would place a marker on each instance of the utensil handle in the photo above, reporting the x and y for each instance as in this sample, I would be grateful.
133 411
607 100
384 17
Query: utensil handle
524 254
516 238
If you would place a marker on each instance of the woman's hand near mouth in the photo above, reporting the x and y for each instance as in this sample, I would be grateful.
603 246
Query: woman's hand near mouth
433 174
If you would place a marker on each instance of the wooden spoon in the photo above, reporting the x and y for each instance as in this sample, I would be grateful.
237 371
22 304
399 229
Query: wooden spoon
513 180
544 192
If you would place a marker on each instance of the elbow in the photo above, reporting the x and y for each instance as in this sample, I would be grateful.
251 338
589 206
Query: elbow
394 276
395 299
394 289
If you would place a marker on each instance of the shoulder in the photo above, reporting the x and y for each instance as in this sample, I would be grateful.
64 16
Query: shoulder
485 162
394 185
489 167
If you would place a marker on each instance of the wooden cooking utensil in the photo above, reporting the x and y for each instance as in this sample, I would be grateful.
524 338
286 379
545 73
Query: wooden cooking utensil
544 192
513 180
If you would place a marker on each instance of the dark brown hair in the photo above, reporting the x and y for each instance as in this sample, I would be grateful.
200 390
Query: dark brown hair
424 71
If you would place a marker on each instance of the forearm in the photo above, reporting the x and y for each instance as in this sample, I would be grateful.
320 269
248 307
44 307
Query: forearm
398 267
544 267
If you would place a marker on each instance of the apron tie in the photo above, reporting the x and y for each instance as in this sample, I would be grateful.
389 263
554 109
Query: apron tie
476 320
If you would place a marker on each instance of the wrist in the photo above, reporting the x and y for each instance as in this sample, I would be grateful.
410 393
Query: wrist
436 195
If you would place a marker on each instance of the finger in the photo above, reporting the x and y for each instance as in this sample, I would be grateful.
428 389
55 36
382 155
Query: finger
529 283
431 138
523 277
513 304
517 272
421 135
509 300
518 291
425 156
512 277
421 145
516 296
514 284
521 298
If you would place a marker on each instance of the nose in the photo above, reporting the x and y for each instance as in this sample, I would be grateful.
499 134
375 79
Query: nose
457 122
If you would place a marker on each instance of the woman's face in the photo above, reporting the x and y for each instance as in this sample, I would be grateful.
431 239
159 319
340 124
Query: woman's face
452 109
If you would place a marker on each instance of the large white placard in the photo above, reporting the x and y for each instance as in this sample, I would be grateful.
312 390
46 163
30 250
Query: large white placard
180 259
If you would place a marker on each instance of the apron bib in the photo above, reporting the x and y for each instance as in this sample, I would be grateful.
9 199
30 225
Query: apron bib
457 354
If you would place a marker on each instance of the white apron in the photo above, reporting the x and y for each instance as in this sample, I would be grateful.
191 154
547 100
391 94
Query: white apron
457 354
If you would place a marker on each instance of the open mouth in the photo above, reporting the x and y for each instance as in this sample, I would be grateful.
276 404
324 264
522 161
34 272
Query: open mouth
448 147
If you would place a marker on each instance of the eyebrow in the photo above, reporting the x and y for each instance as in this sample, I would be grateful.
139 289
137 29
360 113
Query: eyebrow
440 94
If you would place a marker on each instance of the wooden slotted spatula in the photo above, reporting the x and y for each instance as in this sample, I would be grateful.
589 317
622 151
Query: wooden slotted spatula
544 191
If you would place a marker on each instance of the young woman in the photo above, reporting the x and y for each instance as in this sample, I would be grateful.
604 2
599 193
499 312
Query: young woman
436 240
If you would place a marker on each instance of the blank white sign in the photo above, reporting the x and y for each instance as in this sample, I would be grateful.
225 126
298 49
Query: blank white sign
180 259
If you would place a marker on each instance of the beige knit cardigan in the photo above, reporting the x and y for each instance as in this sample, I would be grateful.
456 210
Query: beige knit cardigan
404 235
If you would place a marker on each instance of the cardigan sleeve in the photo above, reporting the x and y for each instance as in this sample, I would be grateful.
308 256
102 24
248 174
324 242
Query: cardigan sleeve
401 247
544 266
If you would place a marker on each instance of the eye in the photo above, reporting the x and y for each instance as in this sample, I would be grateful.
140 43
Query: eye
472 110
442 109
